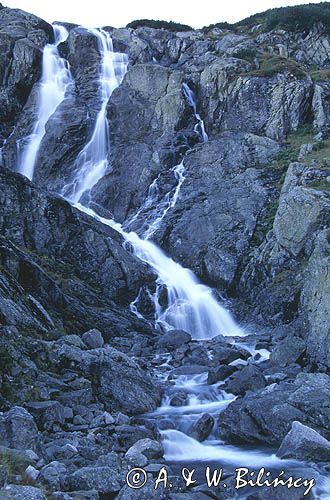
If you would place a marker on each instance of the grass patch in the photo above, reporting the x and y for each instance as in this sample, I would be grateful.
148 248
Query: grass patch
271 64
14 462
320 75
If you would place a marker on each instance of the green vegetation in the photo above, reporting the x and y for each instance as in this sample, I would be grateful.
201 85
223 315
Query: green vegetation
271 64
166 25
320 75
246 54
13 461
299 18
221 26
296 18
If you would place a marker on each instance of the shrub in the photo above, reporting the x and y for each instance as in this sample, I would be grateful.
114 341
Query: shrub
299 18
166 25
221 26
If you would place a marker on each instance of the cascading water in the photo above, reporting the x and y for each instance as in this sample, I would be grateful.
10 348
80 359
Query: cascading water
91 162
55 79
199 127
191 305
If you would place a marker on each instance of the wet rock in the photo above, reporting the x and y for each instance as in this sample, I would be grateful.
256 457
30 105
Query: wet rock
250 378
219 374
23 35
174 339
202 428
178 399
303 443
152 96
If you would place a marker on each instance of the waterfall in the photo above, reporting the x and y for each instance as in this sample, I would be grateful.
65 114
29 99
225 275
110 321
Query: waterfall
55 80
91 162
191 305
199 127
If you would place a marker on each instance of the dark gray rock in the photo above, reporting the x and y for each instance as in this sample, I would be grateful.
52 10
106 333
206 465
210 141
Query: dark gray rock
303 443
267 414
128 435
202 428
250 378
288 351
212 224
93 339
22 35
219 374
52 474
18 430
47 413
119 383
102 479
178 399
174 339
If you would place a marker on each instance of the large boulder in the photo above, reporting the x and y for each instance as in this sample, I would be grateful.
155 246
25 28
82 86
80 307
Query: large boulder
18 430
119 383
266 415
303 443
250 378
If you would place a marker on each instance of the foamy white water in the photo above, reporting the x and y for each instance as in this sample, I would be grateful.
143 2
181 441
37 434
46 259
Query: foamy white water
91 162
55 79
199 127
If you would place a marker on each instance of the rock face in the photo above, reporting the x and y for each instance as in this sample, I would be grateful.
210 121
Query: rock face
303 443
216 214
267 414
22 35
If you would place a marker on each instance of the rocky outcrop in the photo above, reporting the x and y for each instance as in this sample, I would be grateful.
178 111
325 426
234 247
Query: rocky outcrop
266 415
151 96
224 192
22 35
283 263
303 443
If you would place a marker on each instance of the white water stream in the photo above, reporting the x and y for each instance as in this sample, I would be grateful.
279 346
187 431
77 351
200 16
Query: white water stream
91 162
55 79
